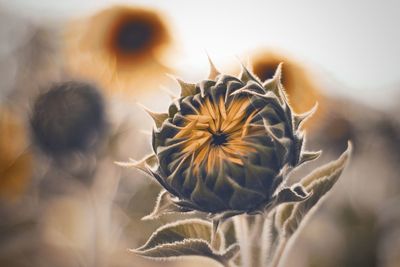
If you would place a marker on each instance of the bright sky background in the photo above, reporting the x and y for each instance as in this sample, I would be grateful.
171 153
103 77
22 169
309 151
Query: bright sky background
356 42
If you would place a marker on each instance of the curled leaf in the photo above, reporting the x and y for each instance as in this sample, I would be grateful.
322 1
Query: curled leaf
329 168
231 252
287 217
164 205
307 156
181 230
187 238
319 182
294 194
189 247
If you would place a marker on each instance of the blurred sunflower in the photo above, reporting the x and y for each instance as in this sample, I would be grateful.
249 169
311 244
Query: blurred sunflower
15 160
69 117
119 48
302 91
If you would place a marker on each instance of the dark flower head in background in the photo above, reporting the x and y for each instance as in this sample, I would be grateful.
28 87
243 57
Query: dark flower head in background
135 34
69 117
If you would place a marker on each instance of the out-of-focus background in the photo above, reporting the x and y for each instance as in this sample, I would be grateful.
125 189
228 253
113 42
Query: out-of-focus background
72 75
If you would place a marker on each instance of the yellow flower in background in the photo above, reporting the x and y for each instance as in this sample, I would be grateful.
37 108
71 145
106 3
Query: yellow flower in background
301 90
15 159
119 48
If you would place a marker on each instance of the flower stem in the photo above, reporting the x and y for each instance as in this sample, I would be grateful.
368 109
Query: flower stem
242 235
279 253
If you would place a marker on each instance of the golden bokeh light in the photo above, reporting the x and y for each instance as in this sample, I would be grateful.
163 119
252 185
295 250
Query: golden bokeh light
302 91
15 160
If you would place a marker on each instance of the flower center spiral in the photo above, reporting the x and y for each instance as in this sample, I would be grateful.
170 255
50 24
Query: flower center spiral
219 139
216 132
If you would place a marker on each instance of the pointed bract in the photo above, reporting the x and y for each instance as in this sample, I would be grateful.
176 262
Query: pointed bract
281 148
299 119
158 118
274 84
245 75
248 65
213 70
164 205
143 165
278 73
309 156
187 89
171 95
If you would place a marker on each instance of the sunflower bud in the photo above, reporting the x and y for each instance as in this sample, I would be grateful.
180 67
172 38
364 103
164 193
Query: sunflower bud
226 145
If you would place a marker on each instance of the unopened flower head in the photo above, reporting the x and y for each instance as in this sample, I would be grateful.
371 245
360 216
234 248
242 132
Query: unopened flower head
226 144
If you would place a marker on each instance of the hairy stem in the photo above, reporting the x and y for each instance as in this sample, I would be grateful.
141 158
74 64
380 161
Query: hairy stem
279 253
242 235
256 231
